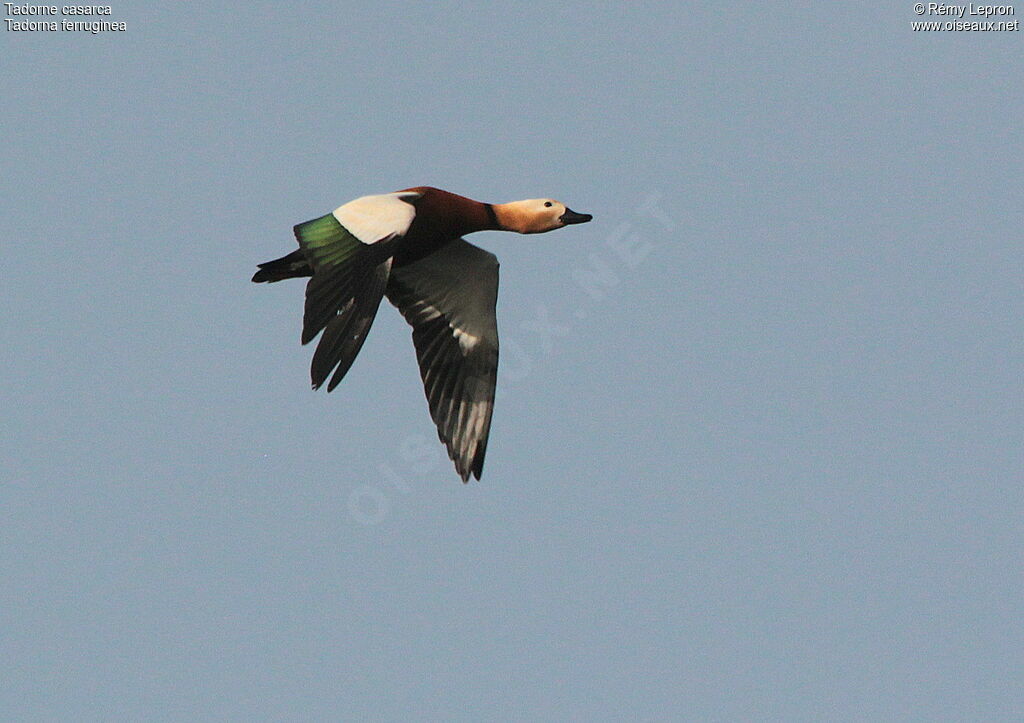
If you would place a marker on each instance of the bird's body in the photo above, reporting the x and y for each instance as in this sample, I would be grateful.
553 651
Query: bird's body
408 245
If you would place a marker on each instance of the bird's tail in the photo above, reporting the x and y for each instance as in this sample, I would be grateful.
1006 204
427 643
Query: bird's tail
292 266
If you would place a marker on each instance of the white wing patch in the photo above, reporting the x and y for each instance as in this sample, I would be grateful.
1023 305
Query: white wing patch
466 340
424 311
427 312
372 218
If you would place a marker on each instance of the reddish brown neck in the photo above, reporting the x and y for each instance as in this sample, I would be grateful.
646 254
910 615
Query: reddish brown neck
453 215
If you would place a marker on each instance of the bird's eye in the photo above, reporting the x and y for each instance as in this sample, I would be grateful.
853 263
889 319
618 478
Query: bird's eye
547 203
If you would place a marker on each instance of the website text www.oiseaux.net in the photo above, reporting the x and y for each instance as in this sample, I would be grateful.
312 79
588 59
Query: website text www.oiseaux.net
969 17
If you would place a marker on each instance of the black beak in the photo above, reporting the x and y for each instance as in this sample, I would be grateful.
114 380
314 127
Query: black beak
572 217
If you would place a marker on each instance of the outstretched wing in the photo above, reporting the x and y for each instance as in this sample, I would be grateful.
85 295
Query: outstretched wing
349 251
448 297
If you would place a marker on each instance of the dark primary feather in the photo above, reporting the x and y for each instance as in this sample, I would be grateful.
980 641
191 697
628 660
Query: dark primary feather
346 331
329 291
454 289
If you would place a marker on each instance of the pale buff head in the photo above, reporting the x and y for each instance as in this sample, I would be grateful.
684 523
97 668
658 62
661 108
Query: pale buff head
536 215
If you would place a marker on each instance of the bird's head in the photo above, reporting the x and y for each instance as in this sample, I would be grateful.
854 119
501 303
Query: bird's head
536 215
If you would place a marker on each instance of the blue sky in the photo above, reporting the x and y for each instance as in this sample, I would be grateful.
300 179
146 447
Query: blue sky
757 448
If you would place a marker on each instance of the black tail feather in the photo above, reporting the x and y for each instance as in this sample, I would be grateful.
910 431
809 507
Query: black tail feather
292 266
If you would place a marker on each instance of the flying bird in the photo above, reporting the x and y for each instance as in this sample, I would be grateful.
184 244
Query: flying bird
408 246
